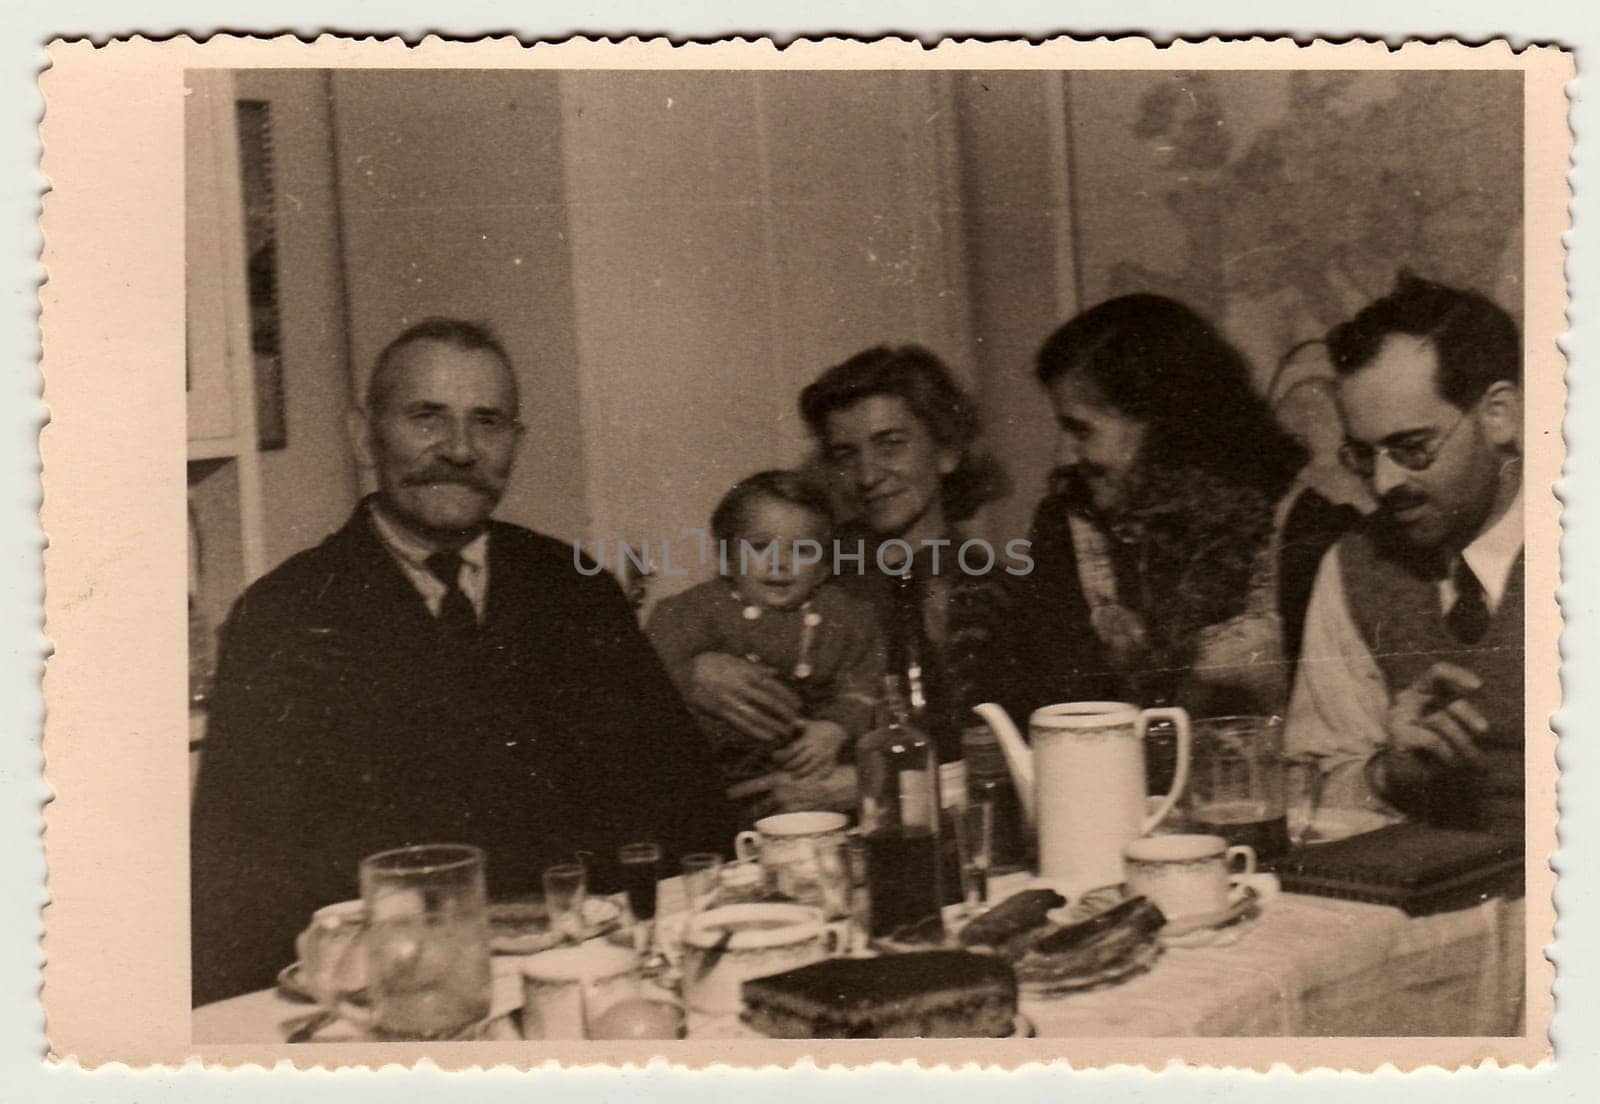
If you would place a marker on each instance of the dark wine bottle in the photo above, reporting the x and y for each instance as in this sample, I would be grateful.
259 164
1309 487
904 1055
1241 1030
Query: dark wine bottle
898 776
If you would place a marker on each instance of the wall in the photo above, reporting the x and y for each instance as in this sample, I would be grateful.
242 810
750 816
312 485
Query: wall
1278 203
1015 179
733 235
452 203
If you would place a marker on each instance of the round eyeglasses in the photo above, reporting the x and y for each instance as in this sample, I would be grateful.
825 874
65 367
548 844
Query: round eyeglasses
1417 455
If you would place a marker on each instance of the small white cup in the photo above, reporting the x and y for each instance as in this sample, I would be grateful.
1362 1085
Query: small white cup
565 989
778 938
332 960
783 844
1186 876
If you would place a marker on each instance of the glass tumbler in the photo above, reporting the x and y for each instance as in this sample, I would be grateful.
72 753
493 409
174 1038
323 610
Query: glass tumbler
427 941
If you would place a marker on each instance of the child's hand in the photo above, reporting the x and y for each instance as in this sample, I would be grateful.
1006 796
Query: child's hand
814 751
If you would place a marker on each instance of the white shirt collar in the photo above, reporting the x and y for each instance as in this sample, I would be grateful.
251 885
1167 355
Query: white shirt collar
411 553
415 551
1493 551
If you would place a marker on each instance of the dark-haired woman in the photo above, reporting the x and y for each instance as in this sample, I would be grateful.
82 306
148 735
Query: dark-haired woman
1153 578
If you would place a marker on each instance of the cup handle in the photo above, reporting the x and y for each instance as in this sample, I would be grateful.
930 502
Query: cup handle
363 1016
1180 778
747 845
837 937
1242 851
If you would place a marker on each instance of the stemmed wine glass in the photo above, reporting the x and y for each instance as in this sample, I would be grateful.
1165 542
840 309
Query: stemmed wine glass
640 865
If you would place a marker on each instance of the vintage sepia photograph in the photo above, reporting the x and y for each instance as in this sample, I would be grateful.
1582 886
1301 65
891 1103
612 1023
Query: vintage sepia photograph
763 556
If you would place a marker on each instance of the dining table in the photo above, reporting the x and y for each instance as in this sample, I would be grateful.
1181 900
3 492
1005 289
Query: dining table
1303 966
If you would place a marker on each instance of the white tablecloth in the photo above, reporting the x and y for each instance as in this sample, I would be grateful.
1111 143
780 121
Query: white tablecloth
1308 966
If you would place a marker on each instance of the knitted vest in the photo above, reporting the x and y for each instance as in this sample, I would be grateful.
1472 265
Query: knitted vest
1397 612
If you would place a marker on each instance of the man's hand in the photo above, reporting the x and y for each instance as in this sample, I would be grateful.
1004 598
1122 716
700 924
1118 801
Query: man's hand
1433 718
816 750
743 694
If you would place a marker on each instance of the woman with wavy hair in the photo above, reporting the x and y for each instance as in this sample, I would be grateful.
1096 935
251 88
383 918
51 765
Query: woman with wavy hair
897 439
1153 577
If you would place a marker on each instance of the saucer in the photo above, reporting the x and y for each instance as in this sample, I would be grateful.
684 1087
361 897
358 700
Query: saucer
500 1025
327 1027
1214 929
292 986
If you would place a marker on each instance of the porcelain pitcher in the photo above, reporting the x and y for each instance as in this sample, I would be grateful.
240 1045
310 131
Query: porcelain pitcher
1082 784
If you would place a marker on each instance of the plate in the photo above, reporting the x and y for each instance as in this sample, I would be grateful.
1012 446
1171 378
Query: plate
1092 903
523 927
1041 984
1021 1028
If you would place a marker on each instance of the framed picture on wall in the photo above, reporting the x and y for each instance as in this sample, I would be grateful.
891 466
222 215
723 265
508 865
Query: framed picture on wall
261 272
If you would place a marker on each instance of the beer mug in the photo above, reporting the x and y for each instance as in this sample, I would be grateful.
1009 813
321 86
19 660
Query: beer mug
1236 783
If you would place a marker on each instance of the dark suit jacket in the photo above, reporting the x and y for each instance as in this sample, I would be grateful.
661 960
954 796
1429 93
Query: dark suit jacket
343 723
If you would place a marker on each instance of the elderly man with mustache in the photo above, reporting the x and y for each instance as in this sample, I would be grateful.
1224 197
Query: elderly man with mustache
429 675
1410 681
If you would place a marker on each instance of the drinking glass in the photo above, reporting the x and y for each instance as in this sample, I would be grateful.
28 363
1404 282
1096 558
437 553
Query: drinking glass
427 941
833 875
855 856
640 865
702 878
566 888
702 882
1302 784
974 824
1236 783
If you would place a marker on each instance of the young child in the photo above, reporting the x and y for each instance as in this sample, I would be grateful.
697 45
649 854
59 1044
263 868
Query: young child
773 608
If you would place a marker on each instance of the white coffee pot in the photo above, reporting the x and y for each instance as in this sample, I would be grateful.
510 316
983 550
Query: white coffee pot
1082 784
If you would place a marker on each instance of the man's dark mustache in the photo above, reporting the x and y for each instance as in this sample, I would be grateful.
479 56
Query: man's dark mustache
461 478
1401 500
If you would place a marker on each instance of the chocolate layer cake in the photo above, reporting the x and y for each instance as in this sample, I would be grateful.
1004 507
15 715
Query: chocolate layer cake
924 995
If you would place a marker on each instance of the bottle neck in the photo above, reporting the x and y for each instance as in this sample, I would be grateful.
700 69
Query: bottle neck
893 707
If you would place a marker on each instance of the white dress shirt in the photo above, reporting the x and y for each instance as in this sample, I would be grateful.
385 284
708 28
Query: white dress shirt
412 554
1340 702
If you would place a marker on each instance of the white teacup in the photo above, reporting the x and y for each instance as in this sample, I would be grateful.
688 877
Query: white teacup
565 989
741 883
1186 876
332 960
784 845
765 939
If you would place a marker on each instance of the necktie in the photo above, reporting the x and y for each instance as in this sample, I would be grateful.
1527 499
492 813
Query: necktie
1468 618
455 611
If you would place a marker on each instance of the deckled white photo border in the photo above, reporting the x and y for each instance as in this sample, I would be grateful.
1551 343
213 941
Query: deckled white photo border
145 538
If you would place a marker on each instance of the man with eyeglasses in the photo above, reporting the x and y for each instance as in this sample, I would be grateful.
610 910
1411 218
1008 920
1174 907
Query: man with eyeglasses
429 675
1409 687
